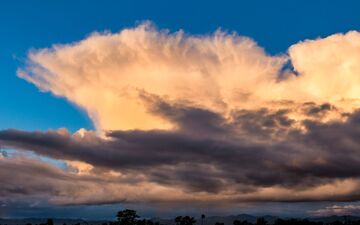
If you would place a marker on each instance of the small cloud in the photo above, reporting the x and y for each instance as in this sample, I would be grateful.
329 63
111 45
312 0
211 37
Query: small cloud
339 210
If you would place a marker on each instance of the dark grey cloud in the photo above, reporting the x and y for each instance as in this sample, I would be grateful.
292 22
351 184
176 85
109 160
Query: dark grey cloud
27 180
312 109
208 153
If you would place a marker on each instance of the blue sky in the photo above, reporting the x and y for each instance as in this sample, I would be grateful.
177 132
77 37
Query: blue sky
25 25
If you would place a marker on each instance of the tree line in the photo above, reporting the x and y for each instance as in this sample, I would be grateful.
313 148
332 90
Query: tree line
130 217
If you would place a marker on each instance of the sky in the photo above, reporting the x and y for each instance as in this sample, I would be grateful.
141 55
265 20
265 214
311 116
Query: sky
179 107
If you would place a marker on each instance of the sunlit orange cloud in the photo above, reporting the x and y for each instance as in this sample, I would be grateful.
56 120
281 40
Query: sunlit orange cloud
105 72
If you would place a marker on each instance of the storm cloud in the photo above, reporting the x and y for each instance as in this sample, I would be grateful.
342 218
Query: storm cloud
252 156
182 118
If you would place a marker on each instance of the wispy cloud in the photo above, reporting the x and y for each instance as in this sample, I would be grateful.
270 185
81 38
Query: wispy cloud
340 210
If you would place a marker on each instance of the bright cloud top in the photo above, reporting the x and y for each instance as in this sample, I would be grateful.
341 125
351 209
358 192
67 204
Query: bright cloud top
106 73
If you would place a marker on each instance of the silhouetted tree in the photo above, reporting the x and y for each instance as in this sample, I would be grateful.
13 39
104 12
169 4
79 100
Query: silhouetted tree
185 220
50 222
337 222
219 223
261 221
239 222
127 217
144 222
202 219
236 222
298 222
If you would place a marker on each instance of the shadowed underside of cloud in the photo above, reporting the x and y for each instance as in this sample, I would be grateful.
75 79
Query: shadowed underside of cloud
206 158
183 118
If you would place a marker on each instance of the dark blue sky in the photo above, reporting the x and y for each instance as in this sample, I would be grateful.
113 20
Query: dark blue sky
25 25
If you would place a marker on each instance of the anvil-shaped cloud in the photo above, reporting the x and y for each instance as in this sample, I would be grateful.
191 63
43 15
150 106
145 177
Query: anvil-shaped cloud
184 118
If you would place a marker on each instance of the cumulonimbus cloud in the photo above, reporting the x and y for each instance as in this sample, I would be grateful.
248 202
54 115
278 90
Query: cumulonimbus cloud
105 73
202 118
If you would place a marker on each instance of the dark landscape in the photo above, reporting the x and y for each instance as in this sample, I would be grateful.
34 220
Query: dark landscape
130 217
